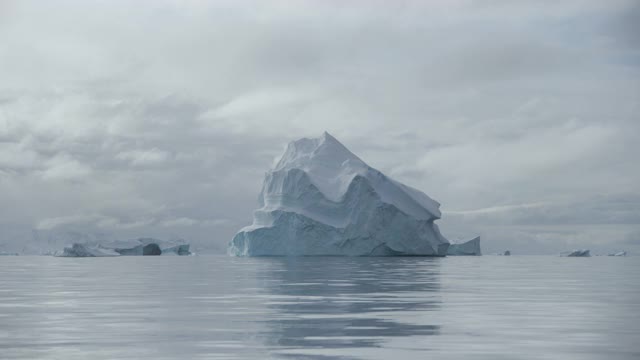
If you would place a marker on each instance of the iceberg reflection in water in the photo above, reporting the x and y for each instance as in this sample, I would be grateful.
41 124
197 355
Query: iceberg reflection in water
333 303
487 307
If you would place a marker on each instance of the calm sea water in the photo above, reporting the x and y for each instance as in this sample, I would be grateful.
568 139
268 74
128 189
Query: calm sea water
216 307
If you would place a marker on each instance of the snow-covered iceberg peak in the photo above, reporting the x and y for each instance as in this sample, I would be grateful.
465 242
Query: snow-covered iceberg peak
331 168
321 199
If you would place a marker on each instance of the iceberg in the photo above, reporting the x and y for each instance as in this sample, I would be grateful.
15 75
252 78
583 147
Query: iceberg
321 199
621 253
148 246
577 253
468 248
136 247
85 250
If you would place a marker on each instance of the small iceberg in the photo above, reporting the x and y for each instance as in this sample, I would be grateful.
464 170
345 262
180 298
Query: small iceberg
469 248
85 250
621 253
135 247
577 253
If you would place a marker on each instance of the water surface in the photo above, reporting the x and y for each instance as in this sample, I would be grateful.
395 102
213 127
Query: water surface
217 307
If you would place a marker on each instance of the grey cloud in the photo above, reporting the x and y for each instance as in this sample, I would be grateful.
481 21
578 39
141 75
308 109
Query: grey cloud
613 209
161 117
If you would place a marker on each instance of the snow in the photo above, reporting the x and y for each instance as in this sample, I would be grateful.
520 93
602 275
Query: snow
577 253
135 247
468 248
321 199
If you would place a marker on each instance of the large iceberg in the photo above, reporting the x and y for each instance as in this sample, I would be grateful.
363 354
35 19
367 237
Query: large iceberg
321 199
135 247
468 248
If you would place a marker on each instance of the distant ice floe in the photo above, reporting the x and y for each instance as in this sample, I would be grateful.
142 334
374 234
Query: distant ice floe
621 253
135 247
577 253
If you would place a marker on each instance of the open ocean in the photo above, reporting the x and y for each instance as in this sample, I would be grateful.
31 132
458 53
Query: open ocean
218 307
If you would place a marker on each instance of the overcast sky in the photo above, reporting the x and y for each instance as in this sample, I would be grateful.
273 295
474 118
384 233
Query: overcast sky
159 118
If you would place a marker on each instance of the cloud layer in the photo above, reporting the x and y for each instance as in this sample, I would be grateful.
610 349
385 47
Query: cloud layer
160 117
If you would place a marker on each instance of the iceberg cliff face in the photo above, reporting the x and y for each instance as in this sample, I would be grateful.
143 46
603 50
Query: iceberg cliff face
469 248
321 199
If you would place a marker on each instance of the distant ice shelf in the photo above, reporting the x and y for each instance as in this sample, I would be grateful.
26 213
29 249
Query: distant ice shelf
321 199
136 247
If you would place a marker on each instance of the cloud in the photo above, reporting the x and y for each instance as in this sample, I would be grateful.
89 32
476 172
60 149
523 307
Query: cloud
257 102
148 157
64 167
114 223
495 209
185 222
512 115
97 220
51 223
